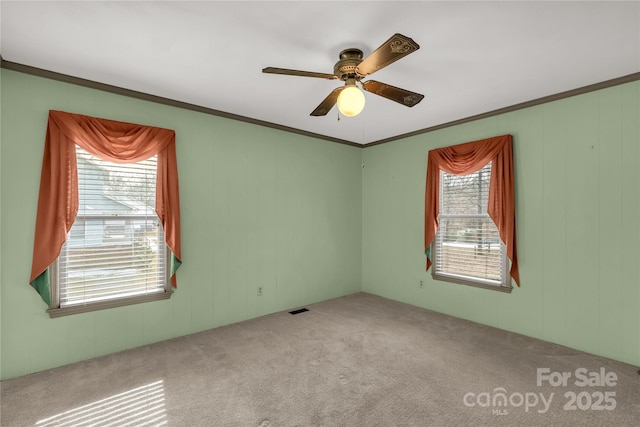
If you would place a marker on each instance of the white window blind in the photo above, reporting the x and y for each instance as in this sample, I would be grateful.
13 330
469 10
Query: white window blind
467 243
115 248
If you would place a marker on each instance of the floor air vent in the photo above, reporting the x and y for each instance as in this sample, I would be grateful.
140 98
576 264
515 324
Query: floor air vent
301 310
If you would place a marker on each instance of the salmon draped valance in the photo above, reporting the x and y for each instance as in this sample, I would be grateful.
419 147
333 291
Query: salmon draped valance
465 159
117 142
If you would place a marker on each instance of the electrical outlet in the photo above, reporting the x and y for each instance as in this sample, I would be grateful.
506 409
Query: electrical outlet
421 284
259 291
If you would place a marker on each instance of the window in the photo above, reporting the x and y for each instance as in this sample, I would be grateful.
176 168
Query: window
467 246
114 236
115 250
479 179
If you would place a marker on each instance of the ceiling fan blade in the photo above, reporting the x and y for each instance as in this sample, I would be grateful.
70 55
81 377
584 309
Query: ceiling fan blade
273 70
328 103
397 47
402 96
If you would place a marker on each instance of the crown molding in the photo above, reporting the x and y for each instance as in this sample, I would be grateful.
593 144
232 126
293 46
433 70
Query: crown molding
65 78
555 97
39 72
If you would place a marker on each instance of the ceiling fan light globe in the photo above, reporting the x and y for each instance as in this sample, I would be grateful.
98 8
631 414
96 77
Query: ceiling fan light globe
351 101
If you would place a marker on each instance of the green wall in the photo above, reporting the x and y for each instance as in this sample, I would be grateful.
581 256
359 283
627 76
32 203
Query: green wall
577 165
1 239
259 207
301 218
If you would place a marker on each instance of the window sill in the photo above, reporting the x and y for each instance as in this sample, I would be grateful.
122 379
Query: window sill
468 282
103 305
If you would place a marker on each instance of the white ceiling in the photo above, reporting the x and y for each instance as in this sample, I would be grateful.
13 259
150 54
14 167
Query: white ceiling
474 56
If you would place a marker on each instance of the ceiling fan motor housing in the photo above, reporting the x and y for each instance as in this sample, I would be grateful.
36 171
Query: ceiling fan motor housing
345 68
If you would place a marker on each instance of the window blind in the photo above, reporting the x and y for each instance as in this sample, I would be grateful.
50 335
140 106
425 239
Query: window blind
115 248
468 244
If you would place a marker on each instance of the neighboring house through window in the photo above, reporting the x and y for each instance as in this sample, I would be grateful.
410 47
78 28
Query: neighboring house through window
108 222
115 248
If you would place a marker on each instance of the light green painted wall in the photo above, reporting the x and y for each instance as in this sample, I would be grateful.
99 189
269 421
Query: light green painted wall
0 223
259 207
301 218
577 164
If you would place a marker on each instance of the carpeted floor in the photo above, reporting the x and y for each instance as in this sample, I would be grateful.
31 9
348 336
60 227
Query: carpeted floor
359 360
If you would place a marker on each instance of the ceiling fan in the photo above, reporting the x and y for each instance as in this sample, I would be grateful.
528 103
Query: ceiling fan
351 68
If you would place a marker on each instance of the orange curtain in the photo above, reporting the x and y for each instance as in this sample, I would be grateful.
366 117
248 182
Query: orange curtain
468 158
110 140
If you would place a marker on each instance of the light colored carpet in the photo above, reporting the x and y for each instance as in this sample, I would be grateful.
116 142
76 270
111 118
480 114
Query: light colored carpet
359 360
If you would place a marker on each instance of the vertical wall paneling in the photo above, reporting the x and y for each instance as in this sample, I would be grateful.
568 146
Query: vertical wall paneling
630 225
0 218
303 220
220 216
583 213
611 221
260 207
577 209
238 228
554 256
266 233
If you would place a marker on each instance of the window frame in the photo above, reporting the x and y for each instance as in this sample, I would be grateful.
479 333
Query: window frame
502 286
56 310
478 282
